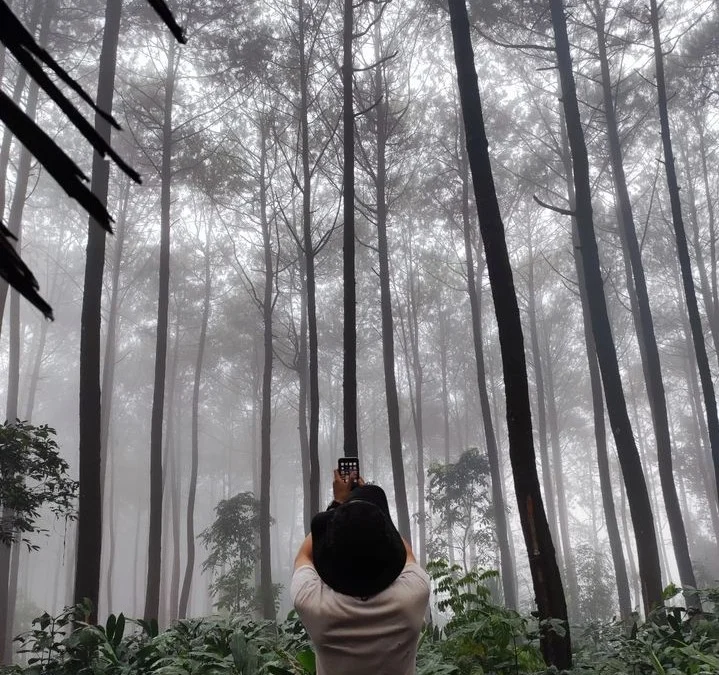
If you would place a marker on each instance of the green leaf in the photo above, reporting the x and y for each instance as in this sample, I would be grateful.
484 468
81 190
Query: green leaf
307 660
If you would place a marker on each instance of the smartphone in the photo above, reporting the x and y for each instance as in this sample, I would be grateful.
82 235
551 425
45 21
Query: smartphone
347 466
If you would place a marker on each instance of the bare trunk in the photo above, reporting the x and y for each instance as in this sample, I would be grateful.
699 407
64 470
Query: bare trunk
547 482
640 507
154 549
600 431
682 248
549 593
268 602
390 379
563 511
349 380
314 391
89 540
444 339
498 508
190 567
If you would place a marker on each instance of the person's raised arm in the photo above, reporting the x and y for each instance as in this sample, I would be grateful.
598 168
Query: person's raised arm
410 553
304 555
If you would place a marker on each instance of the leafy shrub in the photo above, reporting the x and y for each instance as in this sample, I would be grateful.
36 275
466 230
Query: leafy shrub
479 637
213 646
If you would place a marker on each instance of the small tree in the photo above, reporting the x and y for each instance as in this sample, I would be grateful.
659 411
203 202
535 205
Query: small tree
33 476
232 541
459 495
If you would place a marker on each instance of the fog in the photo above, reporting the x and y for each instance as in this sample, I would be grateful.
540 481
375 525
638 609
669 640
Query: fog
238 136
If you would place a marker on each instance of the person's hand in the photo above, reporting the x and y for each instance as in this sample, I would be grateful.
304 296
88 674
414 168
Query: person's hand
341 487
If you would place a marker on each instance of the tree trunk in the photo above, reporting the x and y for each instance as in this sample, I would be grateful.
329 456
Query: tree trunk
303 377
268 601
309 255
108 364
562 510
154 550
547 482
443 348
639 504
390 378
683 249
8 591
190 567
349 380
108 384
498 509
600 431
173 453
35 376
551 603
89 539
417 399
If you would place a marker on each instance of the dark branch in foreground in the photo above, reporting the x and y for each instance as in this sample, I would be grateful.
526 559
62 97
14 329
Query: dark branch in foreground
18 274
163 11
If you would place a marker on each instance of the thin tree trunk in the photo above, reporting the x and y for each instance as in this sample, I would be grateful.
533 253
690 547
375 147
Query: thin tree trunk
443 340
349 380
8 590
268 601
640 507
110 526
89 540
600 430
630 554
37 365
190 567
154 550
390 378
173 453
558 470
309 254
417 406
682 248
303 377
498 510
547 482
712 221
108 364
108 384
551 603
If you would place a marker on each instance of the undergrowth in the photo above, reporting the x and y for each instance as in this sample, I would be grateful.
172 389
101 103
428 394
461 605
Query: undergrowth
467 635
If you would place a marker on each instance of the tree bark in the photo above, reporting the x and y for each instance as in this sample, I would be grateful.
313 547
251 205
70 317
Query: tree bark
388 357
556 647
443 348
190 566
558 470
268 601
173 453
154 549
600 431
683 249
309 254
416 383
8 589
89 539
498 509
349 380
639 504
547 482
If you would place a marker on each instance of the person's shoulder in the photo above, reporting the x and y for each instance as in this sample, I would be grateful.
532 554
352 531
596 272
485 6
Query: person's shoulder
414 579
304 581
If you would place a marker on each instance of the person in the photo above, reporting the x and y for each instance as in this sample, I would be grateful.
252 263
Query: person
358 588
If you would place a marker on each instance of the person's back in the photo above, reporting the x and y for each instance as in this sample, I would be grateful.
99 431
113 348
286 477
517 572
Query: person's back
359 591
355 636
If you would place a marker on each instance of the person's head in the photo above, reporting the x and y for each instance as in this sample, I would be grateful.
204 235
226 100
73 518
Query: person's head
356 547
